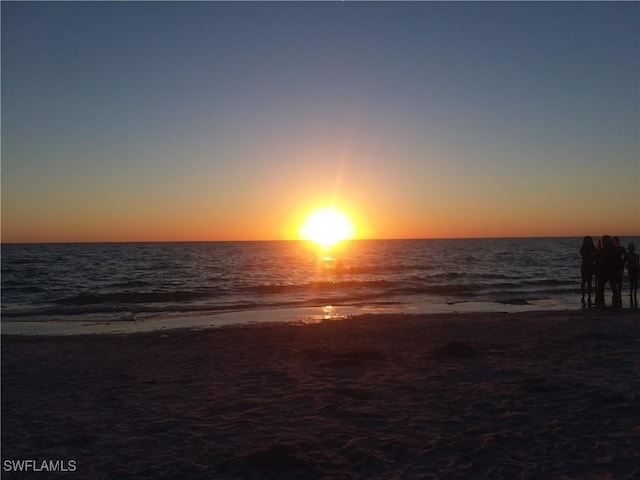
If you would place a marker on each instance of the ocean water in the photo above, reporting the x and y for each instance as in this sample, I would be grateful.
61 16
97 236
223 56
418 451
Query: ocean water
114 282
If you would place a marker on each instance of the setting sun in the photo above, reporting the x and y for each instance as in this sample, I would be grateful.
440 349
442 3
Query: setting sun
326 226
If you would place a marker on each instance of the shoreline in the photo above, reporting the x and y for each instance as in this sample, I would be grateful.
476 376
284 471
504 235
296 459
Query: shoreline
541 394
95 325
291 317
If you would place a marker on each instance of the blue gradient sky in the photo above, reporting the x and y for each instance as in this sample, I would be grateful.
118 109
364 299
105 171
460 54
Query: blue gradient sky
198 121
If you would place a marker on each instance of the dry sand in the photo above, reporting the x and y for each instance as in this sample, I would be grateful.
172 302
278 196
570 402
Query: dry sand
549 395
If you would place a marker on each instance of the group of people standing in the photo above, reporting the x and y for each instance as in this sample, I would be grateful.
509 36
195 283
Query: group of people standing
606 264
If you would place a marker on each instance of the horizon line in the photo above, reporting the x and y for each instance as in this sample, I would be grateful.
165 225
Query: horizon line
81 242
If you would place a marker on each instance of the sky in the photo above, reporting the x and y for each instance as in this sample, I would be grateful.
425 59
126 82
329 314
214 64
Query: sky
168 121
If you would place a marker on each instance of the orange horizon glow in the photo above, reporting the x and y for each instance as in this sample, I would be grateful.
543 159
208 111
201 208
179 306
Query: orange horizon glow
281 218
595 233
103 234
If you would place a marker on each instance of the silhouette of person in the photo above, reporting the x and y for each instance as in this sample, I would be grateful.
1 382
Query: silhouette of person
587 267
632 261
597 266
622 253
608 264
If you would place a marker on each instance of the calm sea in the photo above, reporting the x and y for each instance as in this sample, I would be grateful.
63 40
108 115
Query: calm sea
127 281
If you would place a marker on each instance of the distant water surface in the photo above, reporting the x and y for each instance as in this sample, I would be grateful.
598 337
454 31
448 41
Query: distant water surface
120 281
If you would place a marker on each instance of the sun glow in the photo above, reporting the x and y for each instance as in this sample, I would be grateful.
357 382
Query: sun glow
327 226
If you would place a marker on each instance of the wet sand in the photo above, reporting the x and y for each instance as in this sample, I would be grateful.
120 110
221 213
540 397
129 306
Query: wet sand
485 395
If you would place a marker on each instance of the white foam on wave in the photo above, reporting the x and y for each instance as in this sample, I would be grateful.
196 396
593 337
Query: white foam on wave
299 316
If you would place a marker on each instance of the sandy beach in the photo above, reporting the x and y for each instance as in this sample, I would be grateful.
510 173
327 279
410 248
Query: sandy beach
471 396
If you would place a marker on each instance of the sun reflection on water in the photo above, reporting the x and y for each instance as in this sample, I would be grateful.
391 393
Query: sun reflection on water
328 313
